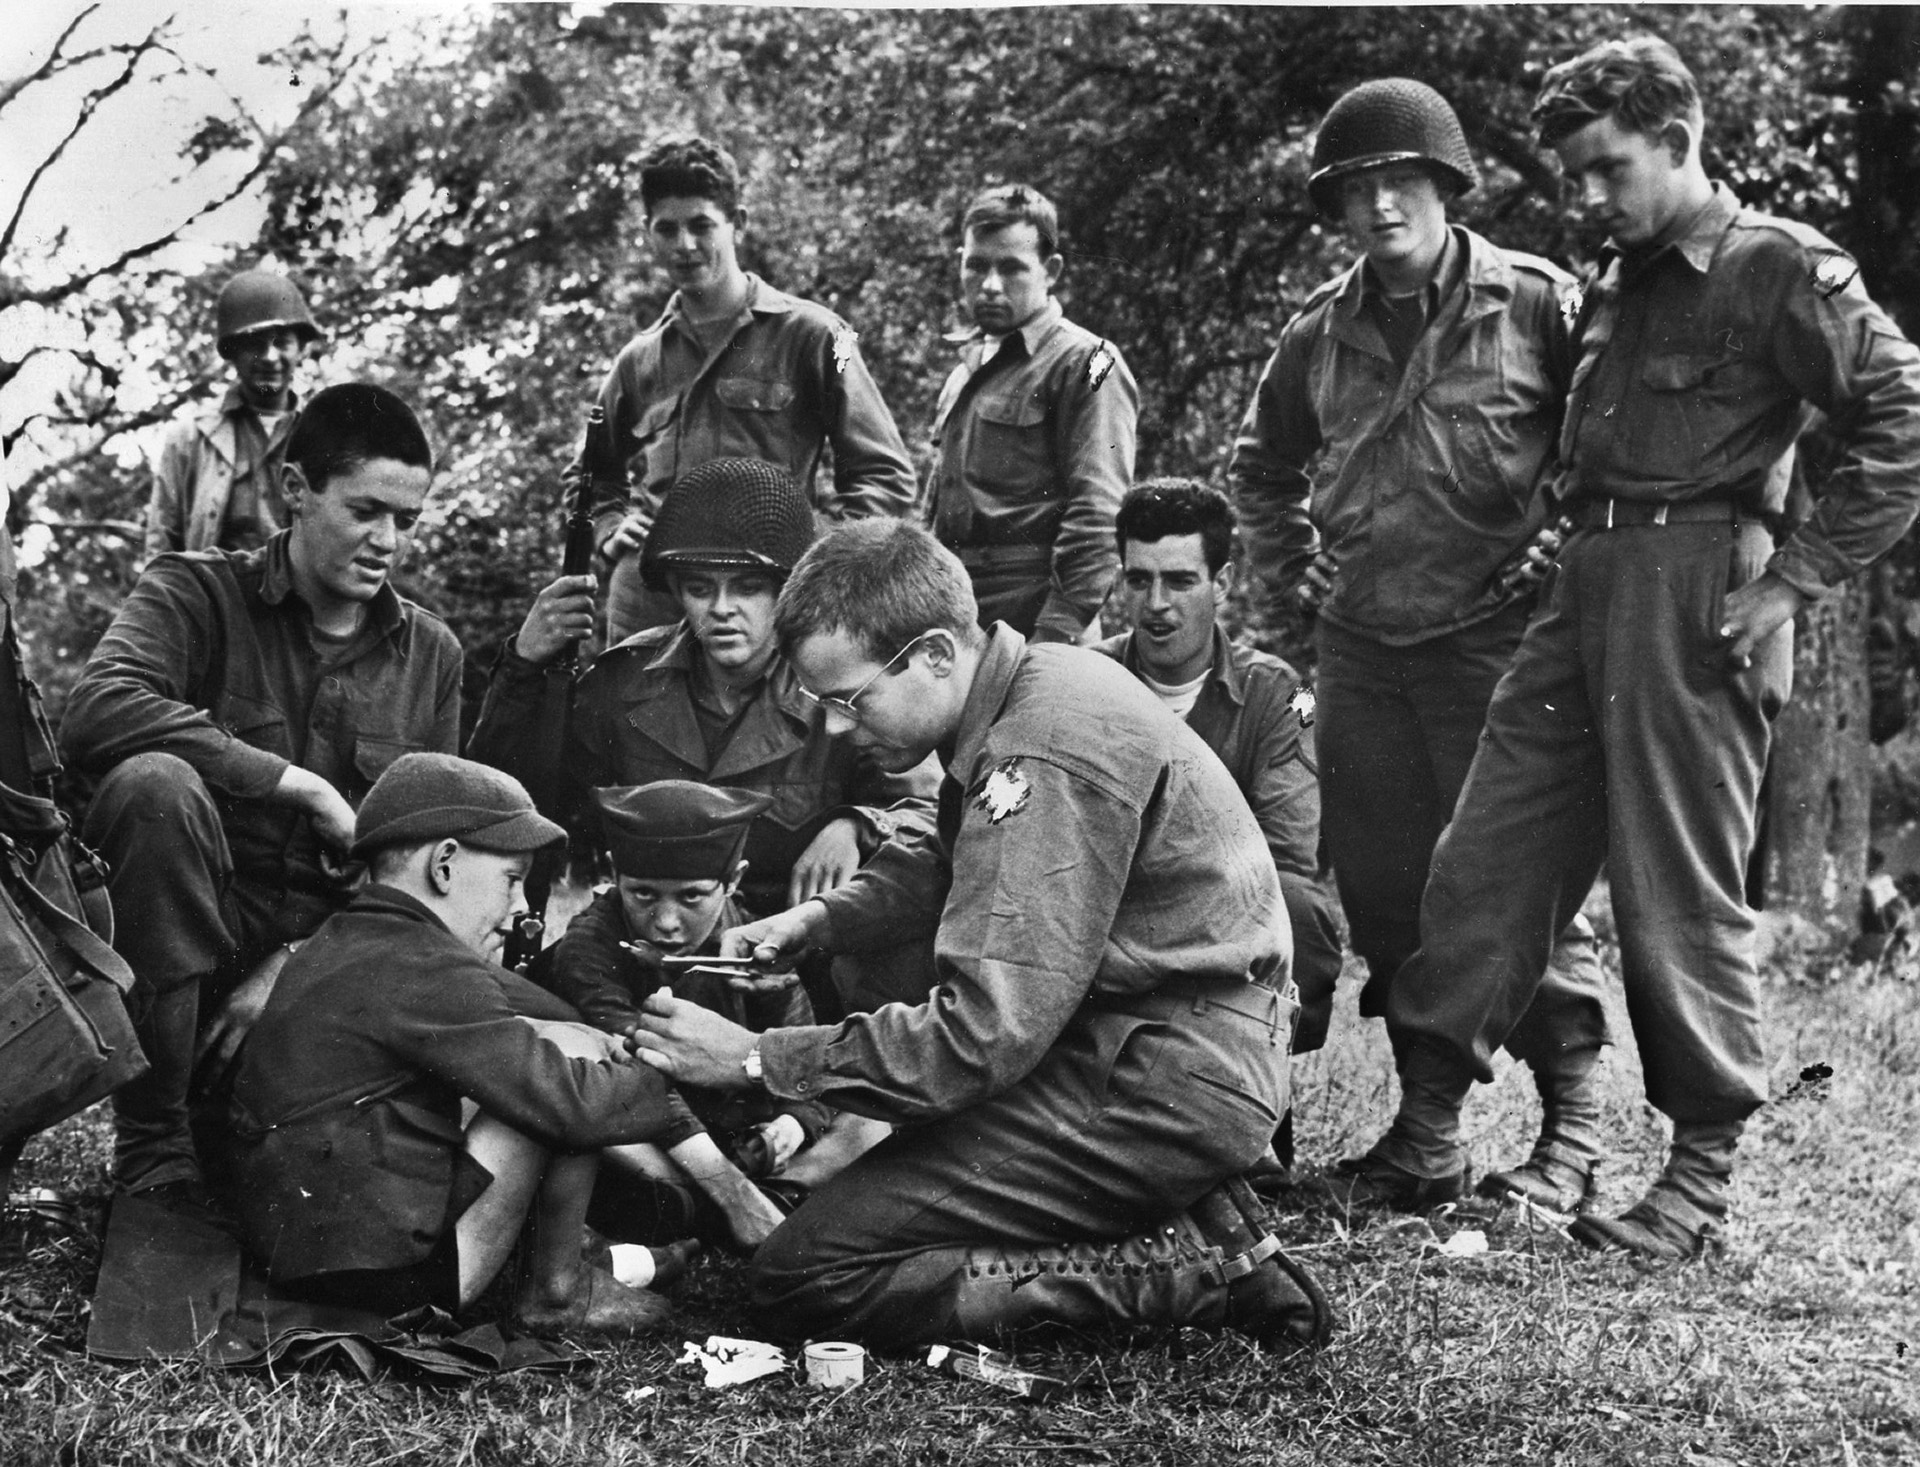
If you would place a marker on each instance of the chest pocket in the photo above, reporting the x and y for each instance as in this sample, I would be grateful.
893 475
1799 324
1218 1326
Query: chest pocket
1682 398
754 394
653 443
258 724
371 756
1008 452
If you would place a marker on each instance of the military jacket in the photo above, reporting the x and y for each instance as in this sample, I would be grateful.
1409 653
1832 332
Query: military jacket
201 459
212 659
1420 482
1249 712
788 382
1089 845
1035 450
1697 364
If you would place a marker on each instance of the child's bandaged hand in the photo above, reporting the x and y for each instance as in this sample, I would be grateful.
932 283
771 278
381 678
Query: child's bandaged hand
784 1137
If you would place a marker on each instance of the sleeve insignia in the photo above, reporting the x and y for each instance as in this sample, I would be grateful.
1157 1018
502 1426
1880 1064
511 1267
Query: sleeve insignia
1572 301
1303 704
845 342
1098 365
1833 274
1005 793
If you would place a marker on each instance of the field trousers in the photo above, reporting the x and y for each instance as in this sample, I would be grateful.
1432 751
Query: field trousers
1059 1200
1620 738
190 927
1397 730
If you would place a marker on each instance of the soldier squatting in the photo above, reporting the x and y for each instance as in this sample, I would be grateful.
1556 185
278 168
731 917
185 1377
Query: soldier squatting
949 967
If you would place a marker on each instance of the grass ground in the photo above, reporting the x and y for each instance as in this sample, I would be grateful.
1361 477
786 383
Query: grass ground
1797 1342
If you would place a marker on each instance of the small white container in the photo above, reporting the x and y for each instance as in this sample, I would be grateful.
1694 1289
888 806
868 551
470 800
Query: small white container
834 1364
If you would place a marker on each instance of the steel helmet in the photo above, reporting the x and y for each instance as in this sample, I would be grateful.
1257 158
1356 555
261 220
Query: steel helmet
1394 120
729 511
259 300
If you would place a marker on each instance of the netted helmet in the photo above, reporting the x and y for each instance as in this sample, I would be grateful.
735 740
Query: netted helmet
729 511
259 300
1395 120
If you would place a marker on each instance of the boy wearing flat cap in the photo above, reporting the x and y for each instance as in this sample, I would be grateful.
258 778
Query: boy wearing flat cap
359 1185
677 850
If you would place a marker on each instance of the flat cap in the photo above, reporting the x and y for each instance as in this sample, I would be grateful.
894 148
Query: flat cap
677 829
427 797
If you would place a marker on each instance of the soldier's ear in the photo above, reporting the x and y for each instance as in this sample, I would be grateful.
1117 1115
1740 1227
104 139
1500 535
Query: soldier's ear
1223 585
1055 266
294 489
1678 138
941 650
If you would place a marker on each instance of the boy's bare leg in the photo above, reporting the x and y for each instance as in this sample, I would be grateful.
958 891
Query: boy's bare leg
487 1231
646 1159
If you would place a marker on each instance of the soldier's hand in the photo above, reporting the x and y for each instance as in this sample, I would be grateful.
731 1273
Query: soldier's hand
1530 566
325 807
562 615
771 938
829 860
1755 612
1316 585
690 1043
629 537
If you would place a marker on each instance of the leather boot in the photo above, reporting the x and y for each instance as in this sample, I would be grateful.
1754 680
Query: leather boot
1419 1163
1558 1175
1174 1275
1269 1295
1682 1211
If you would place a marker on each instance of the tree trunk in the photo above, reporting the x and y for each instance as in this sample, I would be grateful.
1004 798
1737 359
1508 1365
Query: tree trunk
1814 859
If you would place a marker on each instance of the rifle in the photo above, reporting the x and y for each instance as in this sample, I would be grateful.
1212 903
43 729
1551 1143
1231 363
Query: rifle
544 779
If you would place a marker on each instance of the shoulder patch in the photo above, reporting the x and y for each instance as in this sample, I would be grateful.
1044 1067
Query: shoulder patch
846 341
1005 793
1098 365
1572 301
1833 273
1303 704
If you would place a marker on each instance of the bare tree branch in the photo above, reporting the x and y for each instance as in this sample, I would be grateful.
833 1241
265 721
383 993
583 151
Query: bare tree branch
74 284
92 104
55 62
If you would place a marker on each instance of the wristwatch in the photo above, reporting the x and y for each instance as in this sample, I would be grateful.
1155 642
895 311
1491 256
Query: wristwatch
751 1064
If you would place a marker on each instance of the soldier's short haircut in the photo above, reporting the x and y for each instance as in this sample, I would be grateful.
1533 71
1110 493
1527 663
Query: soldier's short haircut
1008 204
1642 83
689 168
1157 508
880 581
344 426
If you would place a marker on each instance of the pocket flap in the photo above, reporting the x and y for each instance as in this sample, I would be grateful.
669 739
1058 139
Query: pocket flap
1675 373
371 756
754 394
1013 409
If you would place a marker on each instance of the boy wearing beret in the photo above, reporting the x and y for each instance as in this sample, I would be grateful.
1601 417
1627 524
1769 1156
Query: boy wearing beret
358 1183
677 854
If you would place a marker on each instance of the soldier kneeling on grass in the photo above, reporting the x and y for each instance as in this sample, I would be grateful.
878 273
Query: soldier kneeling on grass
358 1184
